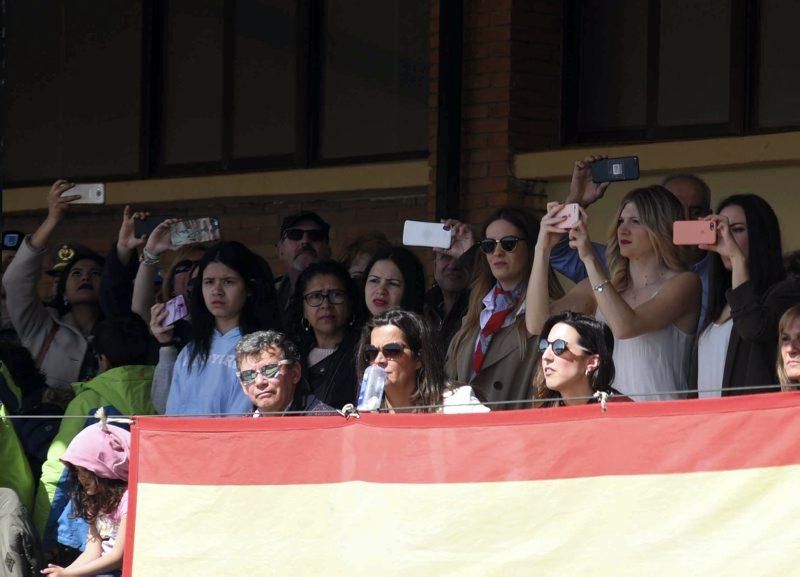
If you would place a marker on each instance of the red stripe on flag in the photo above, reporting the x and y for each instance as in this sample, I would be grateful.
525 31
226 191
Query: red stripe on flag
631 438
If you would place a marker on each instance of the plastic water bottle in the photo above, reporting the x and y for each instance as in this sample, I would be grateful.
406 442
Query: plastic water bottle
370 395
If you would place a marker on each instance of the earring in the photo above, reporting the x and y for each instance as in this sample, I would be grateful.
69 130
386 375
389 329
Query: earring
305 325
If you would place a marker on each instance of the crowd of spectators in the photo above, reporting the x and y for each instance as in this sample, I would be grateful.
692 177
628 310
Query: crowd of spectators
646 320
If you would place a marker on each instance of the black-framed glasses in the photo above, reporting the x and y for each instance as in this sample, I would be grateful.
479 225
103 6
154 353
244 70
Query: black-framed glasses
314 234
390 350
315 298
507 243
249 376
559 346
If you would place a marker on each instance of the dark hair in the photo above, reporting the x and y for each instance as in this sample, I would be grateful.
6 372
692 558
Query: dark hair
22 368
431 380
413 275
369 243
104 501
765 263
305 338
124 340
260 307
694 179
253 344
595 337
180 257
61 284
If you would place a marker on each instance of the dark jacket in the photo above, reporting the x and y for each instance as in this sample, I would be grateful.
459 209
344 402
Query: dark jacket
753 345
444 325
333 380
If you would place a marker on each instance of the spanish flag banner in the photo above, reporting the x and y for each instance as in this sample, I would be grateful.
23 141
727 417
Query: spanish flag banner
705 487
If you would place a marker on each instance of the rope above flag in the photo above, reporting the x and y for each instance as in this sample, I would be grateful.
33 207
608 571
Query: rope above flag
671 488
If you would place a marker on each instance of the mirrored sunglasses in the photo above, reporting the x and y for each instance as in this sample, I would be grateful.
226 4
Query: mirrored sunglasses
249 376
559 346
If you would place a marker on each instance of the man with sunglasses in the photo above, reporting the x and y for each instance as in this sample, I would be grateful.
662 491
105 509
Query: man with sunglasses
304 240
269 370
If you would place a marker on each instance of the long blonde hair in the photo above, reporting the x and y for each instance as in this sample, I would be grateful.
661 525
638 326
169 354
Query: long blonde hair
483 279
658 209
787 318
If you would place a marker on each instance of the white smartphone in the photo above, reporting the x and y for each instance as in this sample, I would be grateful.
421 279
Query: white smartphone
94 193
432 234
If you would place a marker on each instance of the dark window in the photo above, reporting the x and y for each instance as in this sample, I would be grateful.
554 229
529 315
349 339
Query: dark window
74 81
663 69
375 77
779 63
139 88
191 106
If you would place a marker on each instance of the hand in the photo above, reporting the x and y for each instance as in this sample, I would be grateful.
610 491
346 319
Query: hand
126 239
463 238
58 205
726 245
158 312
579 239
582 189
549 233
160 240
53 570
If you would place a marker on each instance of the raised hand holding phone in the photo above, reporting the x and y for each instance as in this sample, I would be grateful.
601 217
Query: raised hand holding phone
582 189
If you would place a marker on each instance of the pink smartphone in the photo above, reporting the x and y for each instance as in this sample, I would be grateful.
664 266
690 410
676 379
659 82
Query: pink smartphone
573 214
694 232
176 310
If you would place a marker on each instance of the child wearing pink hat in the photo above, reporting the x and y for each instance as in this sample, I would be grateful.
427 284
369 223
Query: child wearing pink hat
97 459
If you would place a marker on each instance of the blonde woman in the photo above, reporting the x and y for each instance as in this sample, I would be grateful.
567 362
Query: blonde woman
647 297
788 364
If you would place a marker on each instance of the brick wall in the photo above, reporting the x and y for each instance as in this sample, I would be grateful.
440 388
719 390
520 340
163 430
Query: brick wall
254 221
511 98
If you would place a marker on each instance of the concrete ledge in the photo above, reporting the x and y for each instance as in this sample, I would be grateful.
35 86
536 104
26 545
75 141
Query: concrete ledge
284 182
673 156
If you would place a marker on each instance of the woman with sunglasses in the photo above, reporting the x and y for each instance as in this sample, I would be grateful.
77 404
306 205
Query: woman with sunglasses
577 361
324 325
179 274
401 342
647 297
232 295
493 352
394 278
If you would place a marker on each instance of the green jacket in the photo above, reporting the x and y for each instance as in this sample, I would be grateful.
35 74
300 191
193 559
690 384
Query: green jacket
126 389
15 472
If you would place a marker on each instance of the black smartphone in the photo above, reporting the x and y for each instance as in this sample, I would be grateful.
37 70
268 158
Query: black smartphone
146 226
615 169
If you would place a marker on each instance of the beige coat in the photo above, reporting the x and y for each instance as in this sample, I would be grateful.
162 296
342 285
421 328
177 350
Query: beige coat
507 374
33 321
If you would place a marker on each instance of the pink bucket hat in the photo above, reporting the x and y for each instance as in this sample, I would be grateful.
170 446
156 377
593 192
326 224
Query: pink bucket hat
104 452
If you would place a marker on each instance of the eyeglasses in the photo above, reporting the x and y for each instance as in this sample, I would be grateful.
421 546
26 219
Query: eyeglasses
248 377
559 346
335 297
507 243
390 350
314 234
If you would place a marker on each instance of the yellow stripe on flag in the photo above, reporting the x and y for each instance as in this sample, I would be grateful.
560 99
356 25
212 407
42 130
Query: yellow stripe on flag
731 523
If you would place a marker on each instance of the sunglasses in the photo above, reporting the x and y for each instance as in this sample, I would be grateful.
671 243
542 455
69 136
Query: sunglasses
559 346
183 266
390 351
314 234
315 299
507 243
249 376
